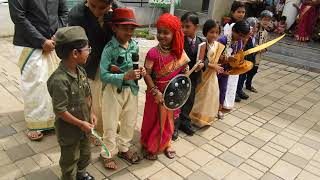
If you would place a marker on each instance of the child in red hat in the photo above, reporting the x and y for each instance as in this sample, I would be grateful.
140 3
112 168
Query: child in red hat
120 90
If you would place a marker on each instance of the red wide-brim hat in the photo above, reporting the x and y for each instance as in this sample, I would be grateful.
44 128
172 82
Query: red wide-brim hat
124 16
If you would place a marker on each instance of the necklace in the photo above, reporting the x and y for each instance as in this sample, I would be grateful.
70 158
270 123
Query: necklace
168 69
164 50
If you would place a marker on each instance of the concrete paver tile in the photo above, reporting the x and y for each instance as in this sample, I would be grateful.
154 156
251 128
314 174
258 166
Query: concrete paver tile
8 142
231 120
27 165
312 169
283 141
53 154
123 175
164 160
182 147
6 131
264 158
45 174
239 175
243 149
221 126
180 169
4 158
231 158
251 170
218 145
255 122
263 134
249 127
196 140
302 151
285 170
189 164
217 168
281 123
20 152
240 114
208 133
19 126
10 171
305 175
48 142
295 160
226 140
272 151
145 169
258 143
212 150
95 172
199 175
200 156
235 134
42 160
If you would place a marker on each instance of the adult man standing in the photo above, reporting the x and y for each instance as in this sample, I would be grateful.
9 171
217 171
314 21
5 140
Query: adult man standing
36 22
95 17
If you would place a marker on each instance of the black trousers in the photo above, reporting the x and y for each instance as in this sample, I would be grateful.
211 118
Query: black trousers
184 119
247 77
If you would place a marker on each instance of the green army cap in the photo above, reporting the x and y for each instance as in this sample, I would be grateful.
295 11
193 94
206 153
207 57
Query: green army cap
70 34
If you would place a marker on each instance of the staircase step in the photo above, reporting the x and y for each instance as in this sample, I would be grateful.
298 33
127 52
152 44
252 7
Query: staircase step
293 61
312 54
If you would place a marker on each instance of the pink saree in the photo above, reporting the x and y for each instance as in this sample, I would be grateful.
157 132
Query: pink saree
307 22
158 122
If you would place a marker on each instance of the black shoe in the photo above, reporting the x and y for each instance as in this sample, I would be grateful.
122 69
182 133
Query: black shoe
252 89
243 95
175 134
187 129
86 176
238 99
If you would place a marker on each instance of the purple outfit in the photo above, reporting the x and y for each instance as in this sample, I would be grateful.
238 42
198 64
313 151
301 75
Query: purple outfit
222 78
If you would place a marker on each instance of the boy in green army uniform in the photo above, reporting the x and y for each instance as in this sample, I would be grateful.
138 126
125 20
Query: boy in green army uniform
71 98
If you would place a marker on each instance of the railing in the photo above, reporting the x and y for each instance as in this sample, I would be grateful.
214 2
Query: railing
141 2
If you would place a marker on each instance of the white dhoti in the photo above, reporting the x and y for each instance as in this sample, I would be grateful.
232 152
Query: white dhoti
36 67
231 91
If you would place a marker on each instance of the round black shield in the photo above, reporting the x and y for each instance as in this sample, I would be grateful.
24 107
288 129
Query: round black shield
177 92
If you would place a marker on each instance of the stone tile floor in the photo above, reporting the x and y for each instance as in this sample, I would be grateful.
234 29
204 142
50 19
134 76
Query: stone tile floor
272 136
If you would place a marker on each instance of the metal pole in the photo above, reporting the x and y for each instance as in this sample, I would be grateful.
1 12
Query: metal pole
172 7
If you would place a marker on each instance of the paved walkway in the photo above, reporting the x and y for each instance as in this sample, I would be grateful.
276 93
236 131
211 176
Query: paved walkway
272 136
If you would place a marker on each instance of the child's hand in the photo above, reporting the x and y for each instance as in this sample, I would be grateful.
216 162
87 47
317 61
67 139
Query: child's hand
93 119
159 98
223 59
219 69
48 45
143 71
132 74
85 126
199 67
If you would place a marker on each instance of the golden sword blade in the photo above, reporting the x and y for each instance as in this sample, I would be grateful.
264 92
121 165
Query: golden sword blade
262 46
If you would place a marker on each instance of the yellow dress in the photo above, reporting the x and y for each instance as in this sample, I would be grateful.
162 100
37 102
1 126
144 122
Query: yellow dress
206 105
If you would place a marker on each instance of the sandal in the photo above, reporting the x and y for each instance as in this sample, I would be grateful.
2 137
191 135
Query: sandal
130 156
109 163
220 115
34 135
170 153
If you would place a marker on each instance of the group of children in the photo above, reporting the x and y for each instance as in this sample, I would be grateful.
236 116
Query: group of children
213 89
